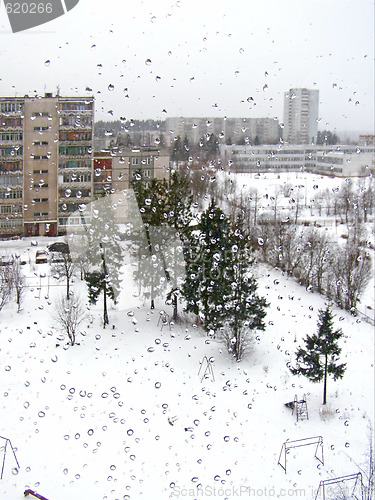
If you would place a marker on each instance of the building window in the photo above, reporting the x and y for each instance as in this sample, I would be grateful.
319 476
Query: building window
40 143
135 161
45 114
41 129
11 107
4 195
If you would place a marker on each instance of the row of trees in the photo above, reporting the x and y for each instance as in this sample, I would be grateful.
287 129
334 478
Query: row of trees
339 270
206 261
203 260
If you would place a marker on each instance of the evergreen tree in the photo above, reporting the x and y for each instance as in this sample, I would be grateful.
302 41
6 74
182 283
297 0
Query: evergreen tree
153 209
191 284
104 255
327 137
209 270
210 146
180 150
179 218
244 309
320 356
165 208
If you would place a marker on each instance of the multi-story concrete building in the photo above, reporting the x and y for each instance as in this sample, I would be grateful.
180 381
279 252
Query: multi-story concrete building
11 166
366 140
227 130
45 162
340 161
115 170
301 109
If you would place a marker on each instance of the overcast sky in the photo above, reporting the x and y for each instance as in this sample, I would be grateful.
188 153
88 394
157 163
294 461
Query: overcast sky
165 58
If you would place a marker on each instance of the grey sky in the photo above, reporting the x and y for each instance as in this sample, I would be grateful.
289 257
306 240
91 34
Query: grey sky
207 57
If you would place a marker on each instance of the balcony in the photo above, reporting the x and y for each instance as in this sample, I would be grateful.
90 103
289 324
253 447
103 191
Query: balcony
70 142
75 112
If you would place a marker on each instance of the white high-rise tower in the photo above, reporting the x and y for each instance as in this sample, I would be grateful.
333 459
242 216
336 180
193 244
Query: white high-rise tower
301 107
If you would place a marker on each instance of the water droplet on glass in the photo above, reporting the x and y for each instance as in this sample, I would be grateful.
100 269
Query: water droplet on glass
111 87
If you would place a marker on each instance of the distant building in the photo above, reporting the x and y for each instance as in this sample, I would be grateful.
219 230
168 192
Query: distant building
301 111
366 140
339 161
45 162
227 130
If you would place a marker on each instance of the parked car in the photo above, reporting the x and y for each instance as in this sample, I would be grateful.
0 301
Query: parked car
6 260
59 246
41 257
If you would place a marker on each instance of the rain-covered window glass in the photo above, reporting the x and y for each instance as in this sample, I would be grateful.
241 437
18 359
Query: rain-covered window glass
187 249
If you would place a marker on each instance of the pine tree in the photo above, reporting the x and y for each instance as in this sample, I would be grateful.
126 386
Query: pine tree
244 309
104 255
320 356
191 284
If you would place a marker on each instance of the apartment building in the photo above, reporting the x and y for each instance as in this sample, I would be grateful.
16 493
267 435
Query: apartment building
11 166
45 162
301 108
227 130
114 170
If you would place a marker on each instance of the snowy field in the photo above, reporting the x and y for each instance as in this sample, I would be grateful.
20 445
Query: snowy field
94 421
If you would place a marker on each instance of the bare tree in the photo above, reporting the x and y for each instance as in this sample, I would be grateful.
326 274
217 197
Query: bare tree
296 201
69 314
316 258
366 196
64 268
352 273
5 285
327 196
346 198
18 282
290 248
255 198
318 202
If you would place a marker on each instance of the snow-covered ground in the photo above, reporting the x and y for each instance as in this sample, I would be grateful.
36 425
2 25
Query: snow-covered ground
94 421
